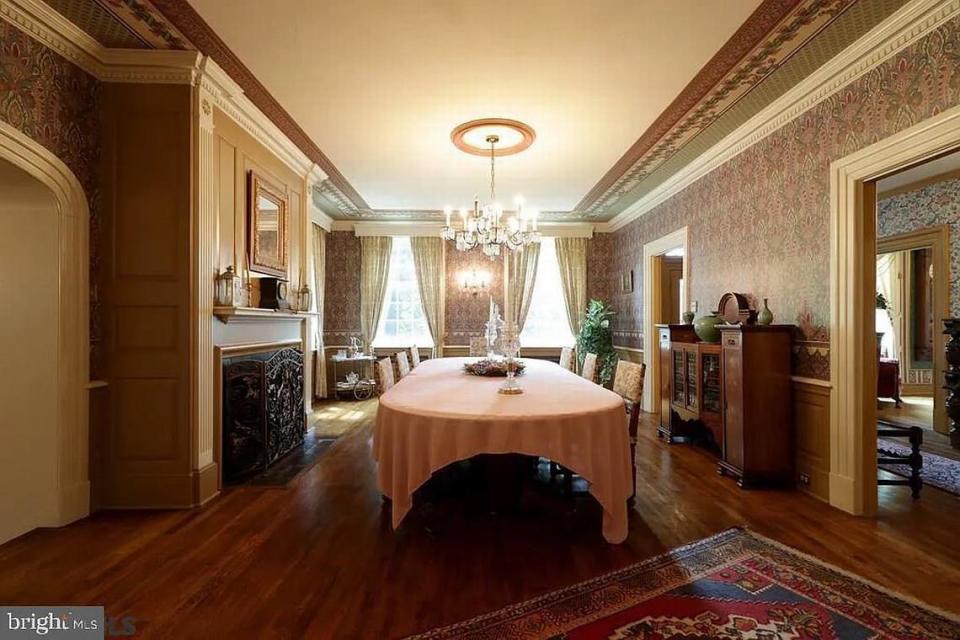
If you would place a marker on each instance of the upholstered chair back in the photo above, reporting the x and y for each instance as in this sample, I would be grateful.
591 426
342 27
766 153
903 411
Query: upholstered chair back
589 370
403 364
478 346
414 357
384 374
566 359
628 380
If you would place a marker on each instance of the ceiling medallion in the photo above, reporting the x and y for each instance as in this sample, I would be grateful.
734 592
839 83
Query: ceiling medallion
485 227
469 137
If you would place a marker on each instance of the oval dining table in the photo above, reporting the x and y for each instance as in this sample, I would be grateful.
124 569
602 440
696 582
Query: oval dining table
438 414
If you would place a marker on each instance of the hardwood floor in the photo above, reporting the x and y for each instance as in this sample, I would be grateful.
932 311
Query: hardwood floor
318 559
918 411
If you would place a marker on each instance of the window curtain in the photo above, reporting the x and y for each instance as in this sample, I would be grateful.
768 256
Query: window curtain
319 237
428 261
572 258
521 276
889 321
374 270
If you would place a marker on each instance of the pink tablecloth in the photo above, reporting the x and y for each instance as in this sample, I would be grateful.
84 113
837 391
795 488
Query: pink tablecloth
438 415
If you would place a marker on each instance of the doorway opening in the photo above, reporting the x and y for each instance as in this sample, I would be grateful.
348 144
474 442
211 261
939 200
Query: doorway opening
666 295
915 210
44 330
28 341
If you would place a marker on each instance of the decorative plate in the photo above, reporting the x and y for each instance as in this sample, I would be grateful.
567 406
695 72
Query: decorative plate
493 368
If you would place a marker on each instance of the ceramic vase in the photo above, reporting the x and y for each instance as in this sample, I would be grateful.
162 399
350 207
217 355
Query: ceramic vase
766 316
706 327
688 317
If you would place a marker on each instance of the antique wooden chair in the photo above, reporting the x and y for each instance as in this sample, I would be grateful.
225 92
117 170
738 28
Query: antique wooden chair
414 357
384 373
589 370
628 384
403 364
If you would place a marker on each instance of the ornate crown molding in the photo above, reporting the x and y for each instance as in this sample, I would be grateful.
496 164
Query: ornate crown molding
900 30
41 22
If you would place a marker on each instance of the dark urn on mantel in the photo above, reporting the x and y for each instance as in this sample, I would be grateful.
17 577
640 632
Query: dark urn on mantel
951 327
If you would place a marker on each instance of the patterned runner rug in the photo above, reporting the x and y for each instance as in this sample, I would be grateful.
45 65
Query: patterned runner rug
942 473
734 585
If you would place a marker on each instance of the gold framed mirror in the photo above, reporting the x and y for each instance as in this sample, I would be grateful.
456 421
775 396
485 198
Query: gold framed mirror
267 227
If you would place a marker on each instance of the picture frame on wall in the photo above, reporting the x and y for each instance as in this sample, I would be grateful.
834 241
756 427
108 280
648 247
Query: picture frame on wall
267 218
626 281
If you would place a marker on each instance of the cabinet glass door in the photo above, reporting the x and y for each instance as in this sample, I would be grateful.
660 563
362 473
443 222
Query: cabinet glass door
692 387
678 377
712 390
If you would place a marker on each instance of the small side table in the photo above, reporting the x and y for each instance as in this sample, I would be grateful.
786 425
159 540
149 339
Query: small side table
365 385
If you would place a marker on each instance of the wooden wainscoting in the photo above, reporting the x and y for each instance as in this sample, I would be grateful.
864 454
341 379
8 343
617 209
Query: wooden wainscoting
811 428
630 354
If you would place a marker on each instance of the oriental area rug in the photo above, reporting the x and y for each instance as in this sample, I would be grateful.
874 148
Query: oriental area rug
734 585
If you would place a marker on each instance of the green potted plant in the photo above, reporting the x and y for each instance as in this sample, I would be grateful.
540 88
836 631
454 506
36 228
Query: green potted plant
596 337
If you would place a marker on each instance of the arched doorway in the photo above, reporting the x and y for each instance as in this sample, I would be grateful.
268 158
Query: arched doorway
44 286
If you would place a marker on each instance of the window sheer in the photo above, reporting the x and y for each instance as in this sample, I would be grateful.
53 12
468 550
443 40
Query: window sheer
402 322
547 324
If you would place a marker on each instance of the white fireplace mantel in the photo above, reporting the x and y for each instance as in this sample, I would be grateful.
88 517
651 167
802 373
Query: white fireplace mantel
254 314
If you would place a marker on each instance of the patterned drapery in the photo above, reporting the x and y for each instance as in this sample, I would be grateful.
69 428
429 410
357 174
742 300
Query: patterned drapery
374 270
521 275
429 263
572 258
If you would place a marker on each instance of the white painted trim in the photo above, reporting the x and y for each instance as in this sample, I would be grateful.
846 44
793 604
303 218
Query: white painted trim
51 29
905 26
813 382
852 265
74 336
54 31
678 238
432 228
230 99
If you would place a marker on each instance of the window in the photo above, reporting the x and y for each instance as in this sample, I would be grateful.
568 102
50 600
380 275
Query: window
547 324
401 321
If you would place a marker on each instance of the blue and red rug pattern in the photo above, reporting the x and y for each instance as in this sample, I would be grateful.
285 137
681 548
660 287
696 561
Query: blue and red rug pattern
732 586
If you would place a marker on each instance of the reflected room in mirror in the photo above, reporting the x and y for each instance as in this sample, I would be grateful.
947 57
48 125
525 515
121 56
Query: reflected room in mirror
267 224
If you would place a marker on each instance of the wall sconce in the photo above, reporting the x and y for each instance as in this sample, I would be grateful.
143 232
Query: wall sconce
474 282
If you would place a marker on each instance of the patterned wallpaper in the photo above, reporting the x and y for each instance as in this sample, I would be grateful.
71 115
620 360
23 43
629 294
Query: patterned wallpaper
467 314
341 298
928 206
759 224
56 104
599 276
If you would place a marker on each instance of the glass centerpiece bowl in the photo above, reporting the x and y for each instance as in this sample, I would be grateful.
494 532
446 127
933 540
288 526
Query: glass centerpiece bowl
510 341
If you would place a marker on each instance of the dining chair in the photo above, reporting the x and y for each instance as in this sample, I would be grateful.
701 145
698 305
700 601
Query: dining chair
628 384
403 364
414 357
478 346
589 370
566 359
384 374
